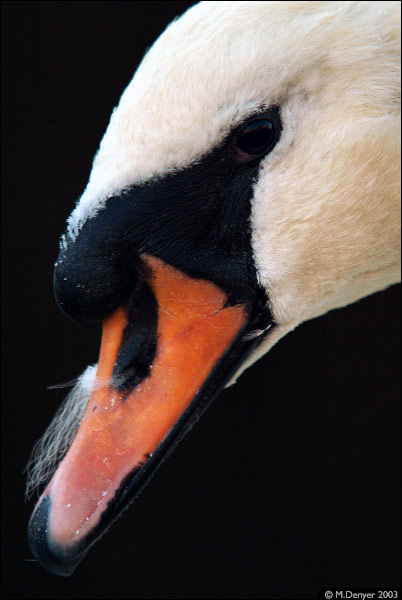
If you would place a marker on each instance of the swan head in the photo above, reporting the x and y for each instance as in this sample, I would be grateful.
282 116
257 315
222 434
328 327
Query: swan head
247 181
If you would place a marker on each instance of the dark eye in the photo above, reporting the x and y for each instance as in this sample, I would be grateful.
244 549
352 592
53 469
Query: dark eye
255 139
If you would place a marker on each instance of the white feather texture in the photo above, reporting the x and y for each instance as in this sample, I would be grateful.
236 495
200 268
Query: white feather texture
220 61
326 209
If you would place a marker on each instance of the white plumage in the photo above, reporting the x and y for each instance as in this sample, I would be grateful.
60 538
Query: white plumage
325 209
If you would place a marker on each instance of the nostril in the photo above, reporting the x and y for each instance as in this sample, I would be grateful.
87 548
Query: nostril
138 347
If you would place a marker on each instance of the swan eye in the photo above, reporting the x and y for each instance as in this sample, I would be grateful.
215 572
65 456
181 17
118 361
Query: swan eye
255 139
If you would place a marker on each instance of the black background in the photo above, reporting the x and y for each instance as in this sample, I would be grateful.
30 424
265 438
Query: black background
289 483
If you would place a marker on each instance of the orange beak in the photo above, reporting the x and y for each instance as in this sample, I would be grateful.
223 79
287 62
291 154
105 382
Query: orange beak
125 433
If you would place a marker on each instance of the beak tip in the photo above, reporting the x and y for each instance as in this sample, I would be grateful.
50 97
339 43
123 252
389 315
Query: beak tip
48 554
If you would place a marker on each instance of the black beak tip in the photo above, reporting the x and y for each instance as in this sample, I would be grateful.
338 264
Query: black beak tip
47 553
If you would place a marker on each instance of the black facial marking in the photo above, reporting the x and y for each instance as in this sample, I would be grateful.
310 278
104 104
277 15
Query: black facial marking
197 220
96 274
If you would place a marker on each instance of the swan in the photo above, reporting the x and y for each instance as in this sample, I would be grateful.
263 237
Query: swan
248 181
